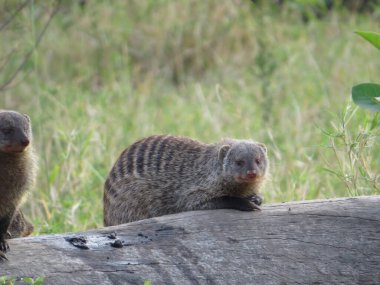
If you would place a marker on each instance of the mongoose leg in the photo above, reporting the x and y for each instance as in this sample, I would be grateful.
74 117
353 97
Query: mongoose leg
19 226
228 202
4 224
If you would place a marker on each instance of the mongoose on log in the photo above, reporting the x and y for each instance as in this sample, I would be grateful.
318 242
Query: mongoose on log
17 173
165 174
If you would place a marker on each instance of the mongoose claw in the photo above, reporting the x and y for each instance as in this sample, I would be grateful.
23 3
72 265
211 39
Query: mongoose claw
3 257
247 205
258 200
3 245
242 204
8 235
255 206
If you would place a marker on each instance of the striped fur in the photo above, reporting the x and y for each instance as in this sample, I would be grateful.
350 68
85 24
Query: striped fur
165 174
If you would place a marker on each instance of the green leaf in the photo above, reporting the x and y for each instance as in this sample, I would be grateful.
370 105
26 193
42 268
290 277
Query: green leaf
28 280
5 280
53 173
367 95
39 280
372 37
375 121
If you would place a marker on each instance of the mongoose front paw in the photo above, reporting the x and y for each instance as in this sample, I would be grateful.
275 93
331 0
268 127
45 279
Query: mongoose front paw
3 245
254 206
258 200
3 256
243 204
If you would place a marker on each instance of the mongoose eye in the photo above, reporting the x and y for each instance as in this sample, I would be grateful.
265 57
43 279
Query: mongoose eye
7 131
240 162
258 161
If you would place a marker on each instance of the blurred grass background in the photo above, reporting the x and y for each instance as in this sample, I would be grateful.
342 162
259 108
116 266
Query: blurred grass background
107 73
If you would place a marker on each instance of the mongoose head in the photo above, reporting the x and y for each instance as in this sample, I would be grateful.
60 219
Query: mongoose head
245 162
15 132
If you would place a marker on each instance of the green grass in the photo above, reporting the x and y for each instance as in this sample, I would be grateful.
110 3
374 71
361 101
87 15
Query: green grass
6 280
107 74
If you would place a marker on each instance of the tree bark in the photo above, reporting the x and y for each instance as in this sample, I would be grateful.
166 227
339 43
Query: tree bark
314 242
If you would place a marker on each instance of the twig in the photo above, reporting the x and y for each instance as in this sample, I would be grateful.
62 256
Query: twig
27 56
7 59
14 15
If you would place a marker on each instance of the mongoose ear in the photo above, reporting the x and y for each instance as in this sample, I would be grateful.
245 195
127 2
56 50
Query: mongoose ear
223 152
27 117
263 146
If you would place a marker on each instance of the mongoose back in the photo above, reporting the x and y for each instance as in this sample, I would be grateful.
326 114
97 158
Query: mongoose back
165 174
17 173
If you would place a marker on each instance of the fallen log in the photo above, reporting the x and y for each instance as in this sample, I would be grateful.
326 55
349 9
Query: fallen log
313 242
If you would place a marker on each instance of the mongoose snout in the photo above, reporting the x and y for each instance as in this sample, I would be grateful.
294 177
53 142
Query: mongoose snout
16 147
25 142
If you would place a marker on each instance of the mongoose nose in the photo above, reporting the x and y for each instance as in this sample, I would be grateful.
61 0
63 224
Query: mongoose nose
25 142
251 173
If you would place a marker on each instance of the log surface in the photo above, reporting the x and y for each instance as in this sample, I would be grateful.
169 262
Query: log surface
316 242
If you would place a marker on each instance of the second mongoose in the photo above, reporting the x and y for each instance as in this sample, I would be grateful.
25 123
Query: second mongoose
165 174
17 173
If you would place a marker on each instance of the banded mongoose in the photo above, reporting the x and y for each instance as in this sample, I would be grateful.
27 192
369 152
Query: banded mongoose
165 174
17 173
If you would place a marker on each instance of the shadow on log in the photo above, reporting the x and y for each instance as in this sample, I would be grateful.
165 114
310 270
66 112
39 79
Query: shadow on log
317 242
